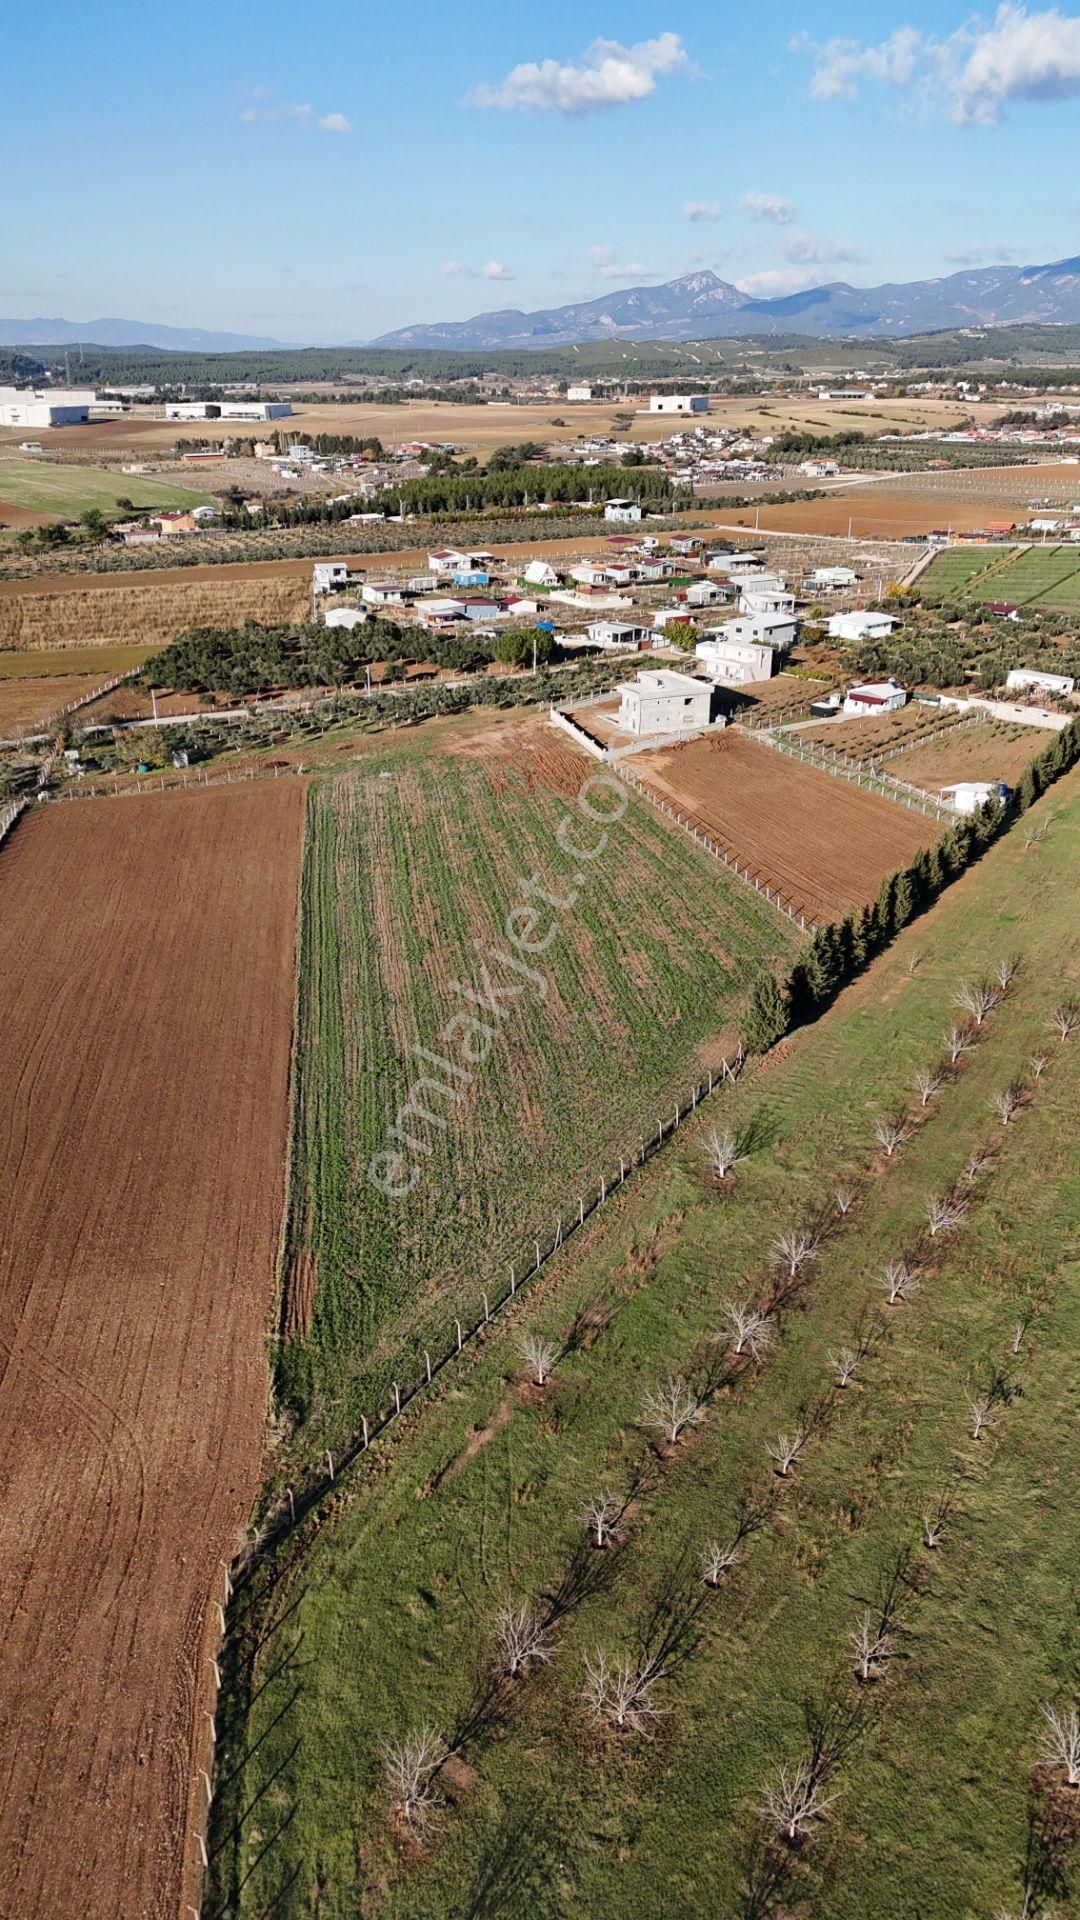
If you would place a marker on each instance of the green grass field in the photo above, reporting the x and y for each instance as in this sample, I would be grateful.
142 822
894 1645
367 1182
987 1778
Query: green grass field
1043 576
28 664
44 486
412 866
382 1620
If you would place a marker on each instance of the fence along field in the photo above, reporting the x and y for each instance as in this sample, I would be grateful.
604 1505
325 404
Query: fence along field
146 986
411 869
484 1503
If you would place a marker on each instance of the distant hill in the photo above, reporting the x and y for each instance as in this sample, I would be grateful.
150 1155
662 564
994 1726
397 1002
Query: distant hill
701 306
127 333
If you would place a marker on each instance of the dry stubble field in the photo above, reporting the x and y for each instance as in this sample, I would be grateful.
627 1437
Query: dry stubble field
146 987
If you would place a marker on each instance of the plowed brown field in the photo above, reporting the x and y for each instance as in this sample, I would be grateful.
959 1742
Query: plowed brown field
825 844
146 986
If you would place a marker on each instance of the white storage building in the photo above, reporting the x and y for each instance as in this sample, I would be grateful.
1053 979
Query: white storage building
661 702
1030 681
861 626
44 407
679 403
875 696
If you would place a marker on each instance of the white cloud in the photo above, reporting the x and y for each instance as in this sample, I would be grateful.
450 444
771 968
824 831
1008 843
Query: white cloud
703 210
981 256
610 75
808 249
274 112
776 281
768 206
491 270
975 73
610 267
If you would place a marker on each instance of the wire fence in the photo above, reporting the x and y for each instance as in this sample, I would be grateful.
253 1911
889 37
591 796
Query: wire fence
886 785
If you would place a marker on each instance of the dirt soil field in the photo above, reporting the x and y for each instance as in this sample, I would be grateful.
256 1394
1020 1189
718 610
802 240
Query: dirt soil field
146 992
824 844
25 704
993 752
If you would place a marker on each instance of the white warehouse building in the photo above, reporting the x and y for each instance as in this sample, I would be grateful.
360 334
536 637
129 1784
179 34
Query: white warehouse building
42 407
1031 682
227 409
679 403
661 702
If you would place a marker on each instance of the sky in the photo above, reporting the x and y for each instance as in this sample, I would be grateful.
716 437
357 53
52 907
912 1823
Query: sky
327 176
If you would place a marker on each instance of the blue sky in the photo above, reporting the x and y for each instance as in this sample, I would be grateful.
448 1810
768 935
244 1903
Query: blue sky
327 174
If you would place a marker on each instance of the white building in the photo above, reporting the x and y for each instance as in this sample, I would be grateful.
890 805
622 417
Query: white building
227 409
735 663
875 696
775 630
622 510
967 796
579 393
766 596
831 579
42 407
618 634
661 702
704 593
345 616
1030 681
328 575
861 626
537 574
679 403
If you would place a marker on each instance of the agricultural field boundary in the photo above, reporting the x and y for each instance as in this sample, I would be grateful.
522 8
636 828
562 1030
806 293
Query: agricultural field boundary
885 784
693 824
72 706
301 1499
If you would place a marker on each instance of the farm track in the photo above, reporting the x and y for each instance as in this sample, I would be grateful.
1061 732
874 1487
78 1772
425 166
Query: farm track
145 996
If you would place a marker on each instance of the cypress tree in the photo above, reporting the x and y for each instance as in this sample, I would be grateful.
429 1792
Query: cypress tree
768 1015
903 899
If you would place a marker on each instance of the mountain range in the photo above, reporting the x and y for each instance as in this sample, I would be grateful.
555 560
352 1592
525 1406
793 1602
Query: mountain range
701 306
127 333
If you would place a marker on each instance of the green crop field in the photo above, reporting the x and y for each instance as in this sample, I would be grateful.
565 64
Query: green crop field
412 867
382 1620
1043 576
44 486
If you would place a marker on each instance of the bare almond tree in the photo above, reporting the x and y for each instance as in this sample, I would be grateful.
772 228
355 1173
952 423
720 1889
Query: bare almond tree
1038 1064
927 1083
409 1767
943 1215
1007 1103
980 1414
1061 1742
915 960
977 1163
717 1562
845 1365
978 999
935 1520
793 1250
793 1802
725 1150
670 1408
520 1637
619 1694
604 1517
890 1132
745 1329
1065 1019
898 1283
540 1356
845 1200
784 1451
872 1645
958 1040
1006 971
